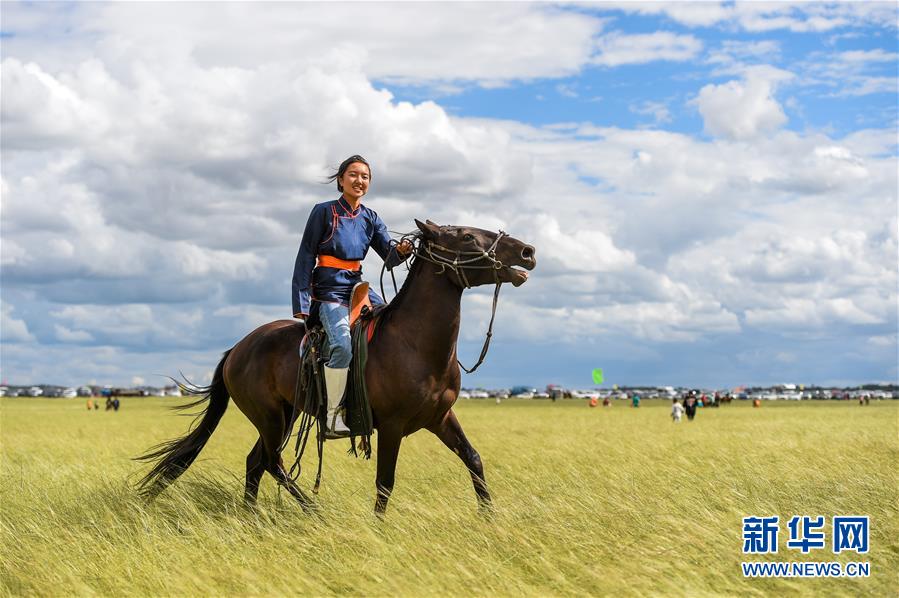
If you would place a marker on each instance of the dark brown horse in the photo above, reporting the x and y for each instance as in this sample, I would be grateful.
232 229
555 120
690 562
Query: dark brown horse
412 373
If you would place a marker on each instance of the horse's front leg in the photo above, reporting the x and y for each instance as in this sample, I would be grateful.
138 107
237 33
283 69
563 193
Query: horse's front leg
389 439
450 432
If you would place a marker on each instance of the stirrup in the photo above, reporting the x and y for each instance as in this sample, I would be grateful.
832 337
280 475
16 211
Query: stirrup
332 431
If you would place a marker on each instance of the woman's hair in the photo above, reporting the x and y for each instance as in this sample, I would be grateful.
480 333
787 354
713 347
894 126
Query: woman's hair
342 169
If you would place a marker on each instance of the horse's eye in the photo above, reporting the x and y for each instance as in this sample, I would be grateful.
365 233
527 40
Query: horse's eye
468 237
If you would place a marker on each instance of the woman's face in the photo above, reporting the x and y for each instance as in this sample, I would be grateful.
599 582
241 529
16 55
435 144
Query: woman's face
355 181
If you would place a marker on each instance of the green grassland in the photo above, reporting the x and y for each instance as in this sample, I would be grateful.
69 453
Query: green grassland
588 501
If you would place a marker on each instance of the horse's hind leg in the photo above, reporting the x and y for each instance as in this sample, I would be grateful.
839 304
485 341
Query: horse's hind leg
450 432
255 469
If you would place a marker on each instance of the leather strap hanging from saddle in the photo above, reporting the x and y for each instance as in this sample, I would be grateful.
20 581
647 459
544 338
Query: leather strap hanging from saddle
358 414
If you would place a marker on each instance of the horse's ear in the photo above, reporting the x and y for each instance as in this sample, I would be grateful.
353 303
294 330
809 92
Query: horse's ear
430 230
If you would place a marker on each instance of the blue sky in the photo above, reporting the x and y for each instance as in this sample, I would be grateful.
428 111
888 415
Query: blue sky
618 96
711 187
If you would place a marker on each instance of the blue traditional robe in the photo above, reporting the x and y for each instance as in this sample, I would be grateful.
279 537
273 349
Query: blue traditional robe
333 229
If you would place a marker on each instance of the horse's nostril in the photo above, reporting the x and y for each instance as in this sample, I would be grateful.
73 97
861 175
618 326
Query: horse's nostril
528 252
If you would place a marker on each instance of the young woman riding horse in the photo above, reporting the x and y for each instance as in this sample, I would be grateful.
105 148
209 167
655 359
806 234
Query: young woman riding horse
412 373
328 266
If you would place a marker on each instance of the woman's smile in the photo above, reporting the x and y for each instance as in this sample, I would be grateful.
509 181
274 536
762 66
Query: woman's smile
355 181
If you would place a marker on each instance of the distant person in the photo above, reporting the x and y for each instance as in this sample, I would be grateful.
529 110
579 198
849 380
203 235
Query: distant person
115 403
607 402
593 401
690 407
90 404
635 401
108 403
677 410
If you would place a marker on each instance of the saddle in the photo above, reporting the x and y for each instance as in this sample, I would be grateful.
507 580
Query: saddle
360 308
359 302
311 387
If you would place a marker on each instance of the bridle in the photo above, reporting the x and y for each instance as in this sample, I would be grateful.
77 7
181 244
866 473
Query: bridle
463 259
458 261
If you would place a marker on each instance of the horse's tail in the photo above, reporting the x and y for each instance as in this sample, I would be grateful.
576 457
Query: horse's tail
175 456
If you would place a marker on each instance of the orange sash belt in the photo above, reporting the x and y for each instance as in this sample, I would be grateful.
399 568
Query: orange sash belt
329 261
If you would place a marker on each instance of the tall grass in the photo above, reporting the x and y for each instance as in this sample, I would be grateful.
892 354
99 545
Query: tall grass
595 501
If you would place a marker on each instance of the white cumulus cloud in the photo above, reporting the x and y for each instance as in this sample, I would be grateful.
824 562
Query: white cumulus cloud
616 48
743 109
13 329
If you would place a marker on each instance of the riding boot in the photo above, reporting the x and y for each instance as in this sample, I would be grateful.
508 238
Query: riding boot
335 384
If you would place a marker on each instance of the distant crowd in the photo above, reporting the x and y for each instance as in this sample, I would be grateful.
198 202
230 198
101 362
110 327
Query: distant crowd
112 404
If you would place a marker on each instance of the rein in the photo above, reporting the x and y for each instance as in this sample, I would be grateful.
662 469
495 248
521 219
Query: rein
458 262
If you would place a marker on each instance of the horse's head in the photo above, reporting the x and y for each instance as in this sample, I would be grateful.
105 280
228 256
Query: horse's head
476 256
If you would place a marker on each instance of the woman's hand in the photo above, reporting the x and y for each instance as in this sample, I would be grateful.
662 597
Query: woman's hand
404 248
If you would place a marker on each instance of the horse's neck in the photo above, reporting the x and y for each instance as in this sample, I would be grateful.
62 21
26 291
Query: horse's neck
427 312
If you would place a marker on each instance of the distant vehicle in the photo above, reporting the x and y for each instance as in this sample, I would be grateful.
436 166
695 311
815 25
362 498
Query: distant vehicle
69 393
35 391
464 394
480 394
541 395
524 395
